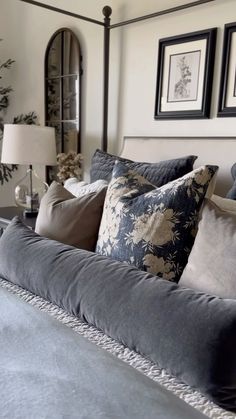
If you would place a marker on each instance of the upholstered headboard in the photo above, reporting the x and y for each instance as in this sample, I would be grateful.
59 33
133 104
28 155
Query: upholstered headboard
220 151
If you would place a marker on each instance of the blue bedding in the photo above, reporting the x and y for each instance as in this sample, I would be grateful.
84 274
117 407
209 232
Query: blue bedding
190 334
49 371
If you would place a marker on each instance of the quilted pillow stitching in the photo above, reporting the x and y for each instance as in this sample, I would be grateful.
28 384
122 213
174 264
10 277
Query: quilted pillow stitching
157 173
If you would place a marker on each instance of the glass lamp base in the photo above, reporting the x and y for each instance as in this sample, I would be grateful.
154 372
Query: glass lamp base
28 193
30 214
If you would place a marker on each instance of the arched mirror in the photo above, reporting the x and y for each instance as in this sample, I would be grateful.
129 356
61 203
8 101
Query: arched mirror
63 91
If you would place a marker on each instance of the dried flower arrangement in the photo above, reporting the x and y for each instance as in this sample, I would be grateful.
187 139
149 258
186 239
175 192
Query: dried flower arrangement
69 165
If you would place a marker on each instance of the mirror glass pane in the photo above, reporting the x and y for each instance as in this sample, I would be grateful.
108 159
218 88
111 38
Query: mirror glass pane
53 99
62 92
54 57
58 131
70 97
70 136
71 58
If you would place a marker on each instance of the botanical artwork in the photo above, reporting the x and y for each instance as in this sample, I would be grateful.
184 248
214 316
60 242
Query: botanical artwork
184 75
227 93
6 170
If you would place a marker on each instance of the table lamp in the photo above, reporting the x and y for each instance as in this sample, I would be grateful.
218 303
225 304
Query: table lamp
28 145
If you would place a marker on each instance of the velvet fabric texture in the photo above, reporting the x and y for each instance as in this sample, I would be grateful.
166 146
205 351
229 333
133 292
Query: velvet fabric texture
71 220
50 372
158 174
191 334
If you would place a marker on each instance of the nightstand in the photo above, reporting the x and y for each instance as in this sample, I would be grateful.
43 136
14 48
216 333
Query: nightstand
7 213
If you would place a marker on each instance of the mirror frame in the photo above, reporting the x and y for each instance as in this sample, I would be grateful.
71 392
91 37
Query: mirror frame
51 172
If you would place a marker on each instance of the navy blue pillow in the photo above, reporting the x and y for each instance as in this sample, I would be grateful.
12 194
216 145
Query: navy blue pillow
152 228
158 174
232 192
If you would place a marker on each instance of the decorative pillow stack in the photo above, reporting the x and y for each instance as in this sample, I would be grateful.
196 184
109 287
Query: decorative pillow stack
71 220
157 173
152 228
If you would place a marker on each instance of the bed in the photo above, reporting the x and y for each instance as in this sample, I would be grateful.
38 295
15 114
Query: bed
78 359
86 336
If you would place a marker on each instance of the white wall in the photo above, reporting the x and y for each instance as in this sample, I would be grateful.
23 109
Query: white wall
139 68
26 30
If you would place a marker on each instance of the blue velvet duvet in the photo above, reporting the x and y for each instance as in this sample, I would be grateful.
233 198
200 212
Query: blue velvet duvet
49 371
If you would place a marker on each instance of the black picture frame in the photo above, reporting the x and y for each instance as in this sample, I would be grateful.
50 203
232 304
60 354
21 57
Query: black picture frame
185 75
227 93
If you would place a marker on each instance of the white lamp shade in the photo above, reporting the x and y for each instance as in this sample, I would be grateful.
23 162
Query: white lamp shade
28 144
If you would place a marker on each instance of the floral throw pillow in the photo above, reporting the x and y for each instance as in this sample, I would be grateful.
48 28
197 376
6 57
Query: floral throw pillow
152 228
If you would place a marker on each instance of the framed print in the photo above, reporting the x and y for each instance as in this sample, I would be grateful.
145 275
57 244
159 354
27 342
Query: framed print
227 96
184 75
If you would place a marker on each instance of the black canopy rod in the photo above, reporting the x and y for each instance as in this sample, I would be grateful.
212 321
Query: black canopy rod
64 12
160 13
107 11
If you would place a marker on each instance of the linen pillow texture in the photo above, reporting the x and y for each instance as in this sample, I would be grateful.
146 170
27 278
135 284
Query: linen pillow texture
211 265
152 228
224 203
158 174
71 220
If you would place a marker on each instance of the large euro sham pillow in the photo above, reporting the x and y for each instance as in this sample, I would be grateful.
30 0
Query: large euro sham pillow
80 188
157 173
152 228
211 266
191 334
71 220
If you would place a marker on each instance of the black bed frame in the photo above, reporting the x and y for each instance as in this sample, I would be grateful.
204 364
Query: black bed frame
106 24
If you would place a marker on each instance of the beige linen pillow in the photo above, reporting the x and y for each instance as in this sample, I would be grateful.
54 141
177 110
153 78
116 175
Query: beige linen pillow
70 220
211 266
225 204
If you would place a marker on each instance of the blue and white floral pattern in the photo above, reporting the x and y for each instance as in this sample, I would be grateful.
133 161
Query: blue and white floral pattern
152 228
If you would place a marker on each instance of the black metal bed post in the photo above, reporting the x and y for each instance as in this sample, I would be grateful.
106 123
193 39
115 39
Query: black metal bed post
107 11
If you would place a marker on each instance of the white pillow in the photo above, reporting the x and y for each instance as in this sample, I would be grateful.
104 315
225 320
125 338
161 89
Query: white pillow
81 188
211 264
